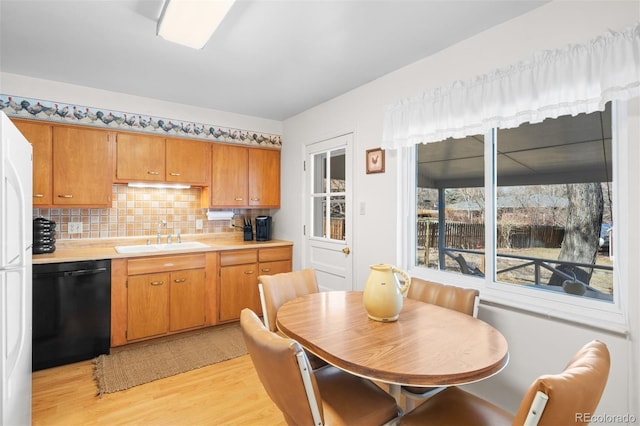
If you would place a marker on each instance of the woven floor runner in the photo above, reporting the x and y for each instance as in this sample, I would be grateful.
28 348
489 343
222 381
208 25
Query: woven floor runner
142 364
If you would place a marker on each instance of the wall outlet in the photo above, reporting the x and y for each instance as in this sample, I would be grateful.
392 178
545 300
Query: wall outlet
198 223
75 227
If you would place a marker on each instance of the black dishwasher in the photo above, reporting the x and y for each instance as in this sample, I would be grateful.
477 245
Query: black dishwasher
71 312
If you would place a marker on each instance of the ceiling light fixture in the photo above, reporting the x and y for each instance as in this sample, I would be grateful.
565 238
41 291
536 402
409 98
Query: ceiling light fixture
191 22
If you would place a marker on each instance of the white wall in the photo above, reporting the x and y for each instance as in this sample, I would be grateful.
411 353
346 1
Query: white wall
54 91
537 344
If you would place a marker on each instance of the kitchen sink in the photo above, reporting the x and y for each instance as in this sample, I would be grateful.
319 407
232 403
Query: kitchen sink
151 248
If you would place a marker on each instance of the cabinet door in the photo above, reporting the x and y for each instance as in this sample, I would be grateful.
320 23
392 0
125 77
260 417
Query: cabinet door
264 178
82 173
238 290
41 137
188 161
140 158
147 305
229 176
187 299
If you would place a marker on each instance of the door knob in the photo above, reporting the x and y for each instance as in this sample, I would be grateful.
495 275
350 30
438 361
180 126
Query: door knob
346 250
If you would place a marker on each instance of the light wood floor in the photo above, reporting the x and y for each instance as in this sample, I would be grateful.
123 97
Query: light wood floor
227 393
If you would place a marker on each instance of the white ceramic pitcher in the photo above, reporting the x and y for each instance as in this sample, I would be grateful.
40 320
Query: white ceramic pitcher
383 293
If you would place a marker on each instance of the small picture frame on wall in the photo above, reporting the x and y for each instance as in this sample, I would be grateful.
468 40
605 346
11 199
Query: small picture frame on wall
375 160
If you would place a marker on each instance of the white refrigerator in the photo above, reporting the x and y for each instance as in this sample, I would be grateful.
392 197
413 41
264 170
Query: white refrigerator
16 231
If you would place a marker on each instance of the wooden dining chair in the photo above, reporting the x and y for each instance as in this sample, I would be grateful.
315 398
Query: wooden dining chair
567 398
455 298
327 396
275 290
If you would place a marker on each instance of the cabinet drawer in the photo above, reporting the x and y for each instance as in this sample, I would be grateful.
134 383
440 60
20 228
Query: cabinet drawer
275 253
238 257
165 263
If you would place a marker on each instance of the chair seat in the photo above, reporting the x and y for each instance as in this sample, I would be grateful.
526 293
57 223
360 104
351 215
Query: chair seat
348 400
455 407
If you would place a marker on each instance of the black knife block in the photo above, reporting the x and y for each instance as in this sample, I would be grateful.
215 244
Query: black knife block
248 232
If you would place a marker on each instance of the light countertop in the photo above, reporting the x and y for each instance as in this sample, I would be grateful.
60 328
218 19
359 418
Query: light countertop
104 248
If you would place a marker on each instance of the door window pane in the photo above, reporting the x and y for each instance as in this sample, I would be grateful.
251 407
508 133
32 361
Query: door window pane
328 198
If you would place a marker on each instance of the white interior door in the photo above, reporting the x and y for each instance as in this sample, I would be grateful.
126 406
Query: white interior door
328 226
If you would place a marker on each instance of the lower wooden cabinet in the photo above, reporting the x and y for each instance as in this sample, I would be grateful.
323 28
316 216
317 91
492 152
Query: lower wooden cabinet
238 277
186 300
165 294
162 303
160 295
147 305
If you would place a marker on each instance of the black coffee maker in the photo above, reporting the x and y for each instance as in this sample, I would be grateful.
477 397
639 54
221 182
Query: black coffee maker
263 228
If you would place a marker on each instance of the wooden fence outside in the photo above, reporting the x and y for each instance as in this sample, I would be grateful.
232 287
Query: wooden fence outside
471 235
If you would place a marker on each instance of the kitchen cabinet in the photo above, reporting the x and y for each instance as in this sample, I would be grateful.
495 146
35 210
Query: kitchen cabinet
139 158
165 294
188 161
71 165
81 167
243 177
148 158
238 277
264 178
41 137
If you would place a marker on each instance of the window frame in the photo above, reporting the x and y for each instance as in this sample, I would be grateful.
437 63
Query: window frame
610 316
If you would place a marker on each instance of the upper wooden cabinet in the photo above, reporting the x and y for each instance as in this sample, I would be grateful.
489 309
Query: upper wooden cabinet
148 158
188 161
41 137
81 167
229 176
264 178
139 158
71 165
244 177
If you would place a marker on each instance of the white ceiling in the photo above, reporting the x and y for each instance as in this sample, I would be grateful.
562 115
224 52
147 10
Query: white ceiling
270 59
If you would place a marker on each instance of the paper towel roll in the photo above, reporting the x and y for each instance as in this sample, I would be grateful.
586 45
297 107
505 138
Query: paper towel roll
220 215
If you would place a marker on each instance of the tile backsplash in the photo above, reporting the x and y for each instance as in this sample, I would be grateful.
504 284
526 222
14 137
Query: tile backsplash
136 212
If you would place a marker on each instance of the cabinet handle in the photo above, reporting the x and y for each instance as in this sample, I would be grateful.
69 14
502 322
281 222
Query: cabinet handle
38 195
174 174
255 199
157 282
151 172
249 272
65 196
239 199
266 269
179 280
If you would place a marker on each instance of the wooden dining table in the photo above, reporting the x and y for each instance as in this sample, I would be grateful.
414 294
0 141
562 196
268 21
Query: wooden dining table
427 346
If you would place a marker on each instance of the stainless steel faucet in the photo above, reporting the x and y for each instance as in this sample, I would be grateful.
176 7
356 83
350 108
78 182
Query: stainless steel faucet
160 225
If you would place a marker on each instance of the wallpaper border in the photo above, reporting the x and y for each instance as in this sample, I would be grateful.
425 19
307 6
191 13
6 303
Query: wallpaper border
43 110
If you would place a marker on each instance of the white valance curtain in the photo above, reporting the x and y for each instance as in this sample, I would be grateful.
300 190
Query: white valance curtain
573 80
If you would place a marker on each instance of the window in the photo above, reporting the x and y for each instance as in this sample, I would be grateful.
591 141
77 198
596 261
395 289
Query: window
450 202
554 195
540 195
328 195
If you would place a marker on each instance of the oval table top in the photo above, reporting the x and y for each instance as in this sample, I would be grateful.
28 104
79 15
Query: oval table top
427 346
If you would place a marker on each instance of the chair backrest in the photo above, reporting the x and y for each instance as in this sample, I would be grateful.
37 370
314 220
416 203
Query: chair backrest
280 364
573 395
459 299
277 289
